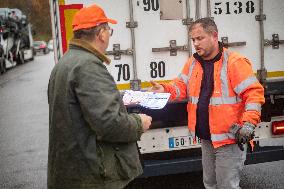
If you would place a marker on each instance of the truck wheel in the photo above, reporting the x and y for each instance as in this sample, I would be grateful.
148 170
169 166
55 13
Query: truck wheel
46 51
32 58
2 66
20 58
33 54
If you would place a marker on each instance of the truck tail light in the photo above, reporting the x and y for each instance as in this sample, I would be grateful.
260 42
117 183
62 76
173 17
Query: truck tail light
278 127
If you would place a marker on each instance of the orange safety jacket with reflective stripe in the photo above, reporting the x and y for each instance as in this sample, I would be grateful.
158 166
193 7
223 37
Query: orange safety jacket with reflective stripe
237 96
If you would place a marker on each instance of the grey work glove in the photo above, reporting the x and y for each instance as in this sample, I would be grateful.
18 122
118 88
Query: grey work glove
243 134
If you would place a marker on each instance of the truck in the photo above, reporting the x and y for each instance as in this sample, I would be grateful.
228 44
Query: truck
151 42
16 41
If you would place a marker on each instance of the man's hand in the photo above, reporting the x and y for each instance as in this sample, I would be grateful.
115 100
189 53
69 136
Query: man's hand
243 134
246 133
156 87
146 121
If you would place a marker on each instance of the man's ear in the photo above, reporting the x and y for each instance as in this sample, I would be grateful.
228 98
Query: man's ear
215 35
101 36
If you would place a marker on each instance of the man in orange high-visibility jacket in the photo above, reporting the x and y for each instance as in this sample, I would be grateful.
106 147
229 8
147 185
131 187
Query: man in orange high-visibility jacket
222 91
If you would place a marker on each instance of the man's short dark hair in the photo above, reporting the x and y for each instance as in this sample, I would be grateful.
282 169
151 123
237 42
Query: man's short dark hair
89 33
207 24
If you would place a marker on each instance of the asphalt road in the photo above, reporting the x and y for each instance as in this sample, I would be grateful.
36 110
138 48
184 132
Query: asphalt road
24 138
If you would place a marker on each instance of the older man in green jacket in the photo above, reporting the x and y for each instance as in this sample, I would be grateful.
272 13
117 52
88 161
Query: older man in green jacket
92 138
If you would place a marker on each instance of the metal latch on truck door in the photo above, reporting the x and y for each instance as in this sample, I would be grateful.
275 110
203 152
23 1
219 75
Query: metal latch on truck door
116 52
275 42
226 43
173 48
132 24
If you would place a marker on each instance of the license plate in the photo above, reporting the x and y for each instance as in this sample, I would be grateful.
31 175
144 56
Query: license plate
182 141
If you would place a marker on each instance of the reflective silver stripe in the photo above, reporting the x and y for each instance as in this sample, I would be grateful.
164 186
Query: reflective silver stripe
253 106
191 68
217 100
224 100
190 73
193 99
244 84
221 137
177 91
224 75
192 133
184 78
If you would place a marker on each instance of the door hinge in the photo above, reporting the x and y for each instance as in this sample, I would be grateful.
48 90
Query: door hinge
261 75
173 48
132 24
135 84
260 17
187 21
275 42
116 52
225 41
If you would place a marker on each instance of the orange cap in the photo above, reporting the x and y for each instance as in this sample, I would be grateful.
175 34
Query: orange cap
88 17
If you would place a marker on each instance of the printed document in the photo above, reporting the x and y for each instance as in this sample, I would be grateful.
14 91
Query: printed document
146 99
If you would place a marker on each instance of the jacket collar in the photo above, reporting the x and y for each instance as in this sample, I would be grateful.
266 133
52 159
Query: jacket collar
87 46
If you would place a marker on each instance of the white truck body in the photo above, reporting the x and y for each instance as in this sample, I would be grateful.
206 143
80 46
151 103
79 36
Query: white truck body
16 41
151 42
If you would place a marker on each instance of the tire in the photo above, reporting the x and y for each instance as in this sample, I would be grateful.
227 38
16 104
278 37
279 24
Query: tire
32 58
20 58
46 51
2 66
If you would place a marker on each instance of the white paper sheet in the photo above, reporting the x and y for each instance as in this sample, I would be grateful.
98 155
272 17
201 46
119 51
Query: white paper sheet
146 99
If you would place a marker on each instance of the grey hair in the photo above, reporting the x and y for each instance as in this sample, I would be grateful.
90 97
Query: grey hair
207 24
89 33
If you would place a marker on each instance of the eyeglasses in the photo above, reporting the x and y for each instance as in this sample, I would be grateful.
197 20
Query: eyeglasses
110 30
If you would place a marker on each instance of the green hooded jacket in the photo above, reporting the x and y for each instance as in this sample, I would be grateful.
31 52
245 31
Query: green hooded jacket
92 138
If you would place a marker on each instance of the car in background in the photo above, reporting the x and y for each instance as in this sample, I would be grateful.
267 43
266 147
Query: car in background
50 45
40 46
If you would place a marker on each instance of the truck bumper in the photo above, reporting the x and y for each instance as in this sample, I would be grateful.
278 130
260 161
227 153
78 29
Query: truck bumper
186 165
